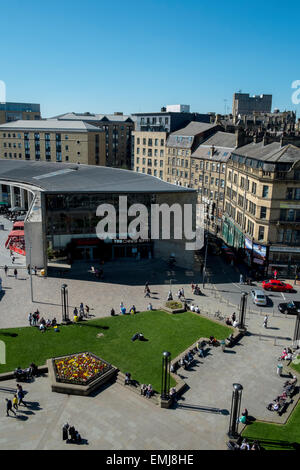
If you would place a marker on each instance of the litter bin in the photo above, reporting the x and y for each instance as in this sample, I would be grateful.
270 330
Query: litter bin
223 345
279 369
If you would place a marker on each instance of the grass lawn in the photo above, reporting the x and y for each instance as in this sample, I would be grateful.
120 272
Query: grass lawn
277 436
142 359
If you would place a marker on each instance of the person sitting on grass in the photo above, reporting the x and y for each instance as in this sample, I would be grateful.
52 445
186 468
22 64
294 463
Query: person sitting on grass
228 321
42 328
133 310
143 389
197 309
192 308
149 307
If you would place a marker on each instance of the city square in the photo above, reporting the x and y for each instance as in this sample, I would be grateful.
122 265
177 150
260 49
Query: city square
149 230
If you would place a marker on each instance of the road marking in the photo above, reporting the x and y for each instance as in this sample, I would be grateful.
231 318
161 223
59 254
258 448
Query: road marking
283 296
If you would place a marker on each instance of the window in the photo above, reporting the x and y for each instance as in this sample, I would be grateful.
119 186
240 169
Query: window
138 151
263 212
265 191
150 142
235 178
261 232
297 194
162 142
253 188
138 141
155 141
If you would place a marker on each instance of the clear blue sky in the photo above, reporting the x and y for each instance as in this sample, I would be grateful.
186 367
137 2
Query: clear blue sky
134 56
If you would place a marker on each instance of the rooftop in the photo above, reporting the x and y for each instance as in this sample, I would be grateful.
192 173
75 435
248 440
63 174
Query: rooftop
49 125
93 117
272 153
184 138
223 142
62 178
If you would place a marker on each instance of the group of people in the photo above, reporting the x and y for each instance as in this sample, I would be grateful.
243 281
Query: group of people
194 308
82 313
286 355
6 268
69 434
195 289
243 444
180 294
146 390
26 374
232 321
281 400
12 405
186 360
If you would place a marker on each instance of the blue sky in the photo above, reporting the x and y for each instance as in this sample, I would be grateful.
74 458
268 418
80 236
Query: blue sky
134 56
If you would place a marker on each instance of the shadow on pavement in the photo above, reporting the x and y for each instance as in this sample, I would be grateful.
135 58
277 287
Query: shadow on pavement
204 409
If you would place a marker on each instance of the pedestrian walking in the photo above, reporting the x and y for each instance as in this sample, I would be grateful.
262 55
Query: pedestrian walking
30 319
15 402
9 407
13 260
35 270
275 274
28 269
20 394
265 324
241 279
147 292
87 310
16 273
5 270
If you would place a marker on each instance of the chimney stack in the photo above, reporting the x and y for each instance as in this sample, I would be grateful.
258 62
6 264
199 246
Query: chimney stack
239 138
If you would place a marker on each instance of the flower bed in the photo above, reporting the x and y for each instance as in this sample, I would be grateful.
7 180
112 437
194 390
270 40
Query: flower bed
79 369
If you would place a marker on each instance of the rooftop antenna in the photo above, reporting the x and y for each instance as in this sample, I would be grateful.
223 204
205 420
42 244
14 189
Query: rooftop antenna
225 106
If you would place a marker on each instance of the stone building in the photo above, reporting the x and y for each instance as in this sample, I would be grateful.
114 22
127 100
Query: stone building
19 111
262 205
243 103
118 130
53 140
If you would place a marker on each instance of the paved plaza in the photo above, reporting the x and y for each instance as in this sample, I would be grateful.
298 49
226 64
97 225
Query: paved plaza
115 417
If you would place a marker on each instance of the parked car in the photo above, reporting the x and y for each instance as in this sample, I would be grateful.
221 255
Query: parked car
292 307
258 297
278 286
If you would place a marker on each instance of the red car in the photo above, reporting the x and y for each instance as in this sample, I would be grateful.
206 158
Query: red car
278 286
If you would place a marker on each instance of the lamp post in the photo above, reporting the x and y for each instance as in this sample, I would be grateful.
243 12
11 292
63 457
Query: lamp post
205 259
243 306
64 303
296 337
165 375
235 410
30 273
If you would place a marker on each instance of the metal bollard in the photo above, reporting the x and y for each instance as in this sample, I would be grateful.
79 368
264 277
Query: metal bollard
275 341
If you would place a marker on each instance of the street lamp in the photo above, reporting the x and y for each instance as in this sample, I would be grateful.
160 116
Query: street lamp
243 306
235 410
296 337
165 375
205 259
64 303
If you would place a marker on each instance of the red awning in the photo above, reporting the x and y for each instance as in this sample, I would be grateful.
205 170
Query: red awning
18 225
16 233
